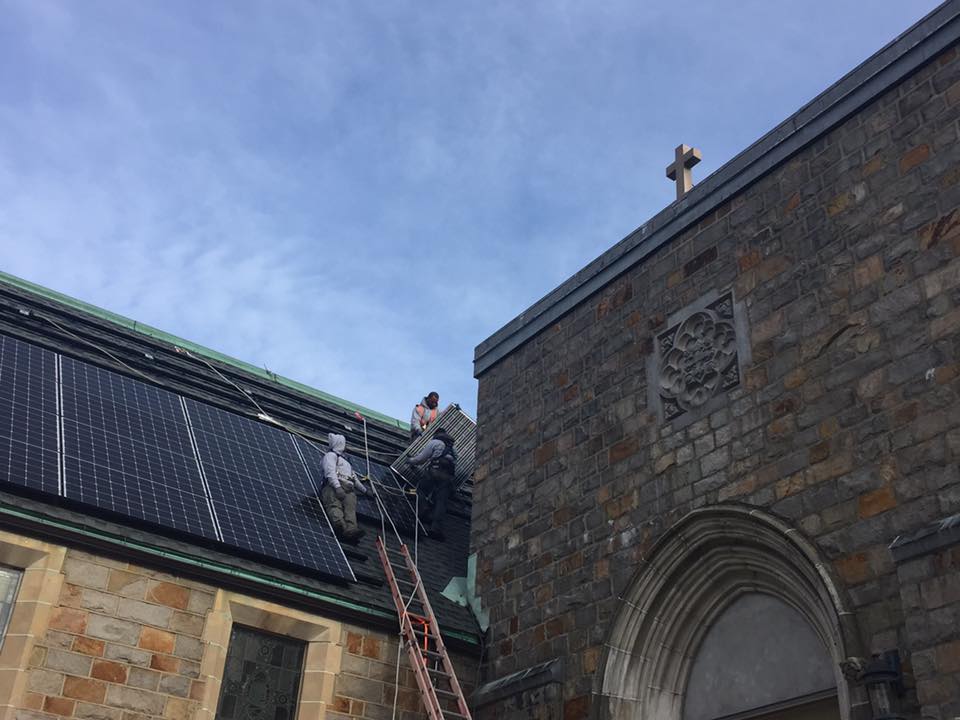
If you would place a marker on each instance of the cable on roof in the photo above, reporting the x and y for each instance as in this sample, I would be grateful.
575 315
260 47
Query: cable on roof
97 347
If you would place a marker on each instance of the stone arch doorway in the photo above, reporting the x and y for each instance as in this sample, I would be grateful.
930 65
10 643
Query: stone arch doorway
716 569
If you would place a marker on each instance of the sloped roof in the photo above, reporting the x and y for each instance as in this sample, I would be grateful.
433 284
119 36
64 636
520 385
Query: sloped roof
75 329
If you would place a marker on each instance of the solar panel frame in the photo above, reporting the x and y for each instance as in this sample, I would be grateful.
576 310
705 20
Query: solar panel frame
29 417
263 493
463 429
127 450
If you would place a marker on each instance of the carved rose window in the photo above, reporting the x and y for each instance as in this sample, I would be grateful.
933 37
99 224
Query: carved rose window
698 358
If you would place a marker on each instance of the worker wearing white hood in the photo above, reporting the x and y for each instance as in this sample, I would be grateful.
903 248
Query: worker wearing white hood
340 489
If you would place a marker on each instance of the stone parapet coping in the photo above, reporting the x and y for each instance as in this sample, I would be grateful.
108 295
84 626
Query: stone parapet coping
931 538
885 69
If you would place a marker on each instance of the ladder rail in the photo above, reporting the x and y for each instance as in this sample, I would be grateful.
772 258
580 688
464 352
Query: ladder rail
438 637
418 660
432 703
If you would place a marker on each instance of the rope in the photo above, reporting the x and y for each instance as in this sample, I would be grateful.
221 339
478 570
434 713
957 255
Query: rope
396 677
97 347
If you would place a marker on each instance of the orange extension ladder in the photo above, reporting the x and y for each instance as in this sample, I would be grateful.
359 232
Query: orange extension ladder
420 631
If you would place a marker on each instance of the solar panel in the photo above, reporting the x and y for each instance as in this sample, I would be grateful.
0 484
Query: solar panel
263 495
463 429
105 440
29 452
127 449
391 494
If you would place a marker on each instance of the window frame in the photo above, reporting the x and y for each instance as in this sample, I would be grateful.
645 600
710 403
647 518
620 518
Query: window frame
321 663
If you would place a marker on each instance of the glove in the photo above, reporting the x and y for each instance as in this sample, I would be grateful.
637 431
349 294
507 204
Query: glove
340 492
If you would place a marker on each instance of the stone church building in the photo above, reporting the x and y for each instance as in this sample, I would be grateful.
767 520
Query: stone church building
718 467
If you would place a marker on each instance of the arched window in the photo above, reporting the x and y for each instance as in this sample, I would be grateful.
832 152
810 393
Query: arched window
680 632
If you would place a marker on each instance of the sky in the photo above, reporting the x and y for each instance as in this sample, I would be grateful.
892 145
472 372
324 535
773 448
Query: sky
356 193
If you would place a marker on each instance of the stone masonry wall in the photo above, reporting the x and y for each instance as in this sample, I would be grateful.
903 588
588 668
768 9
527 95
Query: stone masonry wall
365 686
846 422
123 643
129 643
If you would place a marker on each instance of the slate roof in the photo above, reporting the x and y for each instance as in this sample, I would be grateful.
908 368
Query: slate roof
58 323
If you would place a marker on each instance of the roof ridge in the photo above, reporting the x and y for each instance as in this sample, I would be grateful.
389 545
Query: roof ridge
157 334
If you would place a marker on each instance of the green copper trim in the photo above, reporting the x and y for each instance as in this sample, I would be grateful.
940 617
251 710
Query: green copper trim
156 334
212 565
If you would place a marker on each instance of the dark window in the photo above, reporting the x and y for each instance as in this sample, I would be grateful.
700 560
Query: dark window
9 584
261 680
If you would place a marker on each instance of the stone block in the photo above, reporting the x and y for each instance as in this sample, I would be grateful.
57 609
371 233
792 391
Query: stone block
109 628
135 699
175 685
187 647
914 157
146 613
88 646
177 709
127 584
59 706
45 682
165 663
129 655
69 620
109 671
187 623
143 679
169 594
157 641
68 662
85 574
84 689
86 711
200 602
98 601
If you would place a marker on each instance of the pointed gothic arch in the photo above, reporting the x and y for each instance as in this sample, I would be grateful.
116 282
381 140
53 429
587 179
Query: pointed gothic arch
700 566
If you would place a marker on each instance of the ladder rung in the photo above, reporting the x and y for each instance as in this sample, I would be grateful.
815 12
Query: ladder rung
441 673
446 693
431 653
451 714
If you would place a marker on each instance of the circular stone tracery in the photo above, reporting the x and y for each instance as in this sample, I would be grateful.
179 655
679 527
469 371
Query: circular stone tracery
702 349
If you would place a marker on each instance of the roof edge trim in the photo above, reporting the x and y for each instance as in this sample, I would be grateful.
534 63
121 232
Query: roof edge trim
894 62
169 556
157 334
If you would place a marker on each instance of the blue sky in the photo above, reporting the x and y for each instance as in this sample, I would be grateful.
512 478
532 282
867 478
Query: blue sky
355 193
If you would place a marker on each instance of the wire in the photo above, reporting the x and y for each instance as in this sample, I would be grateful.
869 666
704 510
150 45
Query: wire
98 347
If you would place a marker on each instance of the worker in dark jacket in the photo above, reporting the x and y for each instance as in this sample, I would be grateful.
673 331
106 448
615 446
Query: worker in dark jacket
424 413
438 462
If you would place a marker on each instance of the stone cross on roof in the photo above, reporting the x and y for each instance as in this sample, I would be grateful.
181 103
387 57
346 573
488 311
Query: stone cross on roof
679 169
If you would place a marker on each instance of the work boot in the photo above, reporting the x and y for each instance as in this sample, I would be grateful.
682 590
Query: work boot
353 535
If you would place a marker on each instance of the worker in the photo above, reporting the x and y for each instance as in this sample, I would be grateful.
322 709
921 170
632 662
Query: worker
340 489
438 461
424 413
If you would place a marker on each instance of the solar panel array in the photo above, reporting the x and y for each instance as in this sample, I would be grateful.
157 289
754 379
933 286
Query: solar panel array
258 482
92 436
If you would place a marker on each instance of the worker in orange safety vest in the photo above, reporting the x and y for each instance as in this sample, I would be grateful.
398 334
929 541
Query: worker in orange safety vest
424 413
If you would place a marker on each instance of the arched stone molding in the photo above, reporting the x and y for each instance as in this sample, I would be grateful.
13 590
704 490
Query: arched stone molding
700 565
